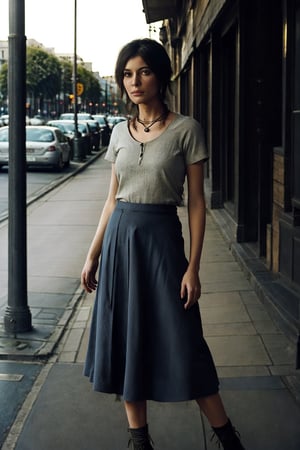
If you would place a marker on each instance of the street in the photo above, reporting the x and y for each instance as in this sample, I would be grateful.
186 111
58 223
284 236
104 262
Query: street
38 181
18 377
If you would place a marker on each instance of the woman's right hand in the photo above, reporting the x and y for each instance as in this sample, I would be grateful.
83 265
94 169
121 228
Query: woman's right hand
88 275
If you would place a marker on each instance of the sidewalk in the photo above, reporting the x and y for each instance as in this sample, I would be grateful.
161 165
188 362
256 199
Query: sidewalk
60 225
255 361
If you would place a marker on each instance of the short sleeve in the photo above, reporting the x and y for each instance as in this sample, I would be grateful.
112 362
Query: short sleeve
194 147
111 153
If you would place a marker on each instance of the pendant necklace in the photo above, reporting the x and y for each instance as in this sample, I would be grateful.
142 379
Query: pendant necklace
158 119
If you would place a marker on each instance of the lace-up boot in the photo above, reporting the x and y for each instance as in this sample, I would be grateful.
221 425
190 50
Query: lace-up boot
140 439
228 437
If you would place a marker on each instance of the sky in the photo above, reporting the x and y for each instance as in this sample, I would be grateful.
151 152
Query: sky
103 27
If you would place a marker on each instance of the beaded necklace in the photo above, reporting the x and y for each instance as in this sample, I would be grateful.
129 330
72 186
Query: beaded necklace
148 124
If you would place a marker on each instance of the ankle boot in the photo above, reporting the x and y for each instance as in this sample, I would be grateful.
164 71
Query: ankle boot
228 437
140 439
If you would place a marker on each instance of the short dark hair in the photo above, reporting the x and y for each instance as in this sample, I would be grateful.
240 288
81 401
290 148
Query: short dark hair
154 55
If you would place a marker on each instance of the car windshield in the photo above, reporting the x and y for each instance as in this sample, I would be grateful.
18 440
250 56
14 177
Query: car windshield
100 119
82 128
83 116
4 135
68 127
67 116
57 125
39 135
93 126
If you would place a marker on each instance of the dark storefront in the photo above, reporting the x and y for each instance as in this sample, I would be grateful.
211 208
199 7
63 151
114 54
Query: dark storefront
237 70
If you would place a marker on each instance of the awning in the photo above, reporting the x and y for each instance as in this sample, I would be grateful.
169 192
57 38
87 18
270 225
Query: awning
156 10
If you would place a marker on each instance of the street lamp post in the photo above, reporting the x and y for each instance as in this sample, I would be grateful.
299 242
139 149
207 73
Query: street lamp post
106 96
17 317
77 141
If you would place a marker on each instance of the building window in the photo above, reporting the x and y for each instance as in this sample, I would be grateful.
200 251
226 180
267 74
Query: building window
228 112
296 115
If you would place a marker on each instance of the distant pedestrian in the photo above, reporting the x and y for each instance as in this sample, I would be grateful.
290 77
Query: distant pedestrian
146 340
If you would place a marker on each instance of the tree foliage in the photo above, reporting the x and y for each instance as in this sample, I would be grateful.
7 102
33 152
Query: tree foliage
66 76
3 80
43 73
47 76
92 89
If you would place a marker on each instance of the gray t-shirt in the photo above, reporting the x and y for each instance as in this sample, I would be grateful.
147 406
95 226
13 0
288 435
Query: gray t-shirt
154 172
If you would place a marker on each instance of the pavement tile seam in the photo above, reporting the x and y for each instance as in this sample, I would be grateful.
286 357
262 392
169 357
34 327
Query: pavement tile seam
265 328
67 357
87 310
243 371
209 288
252 383
293 384
74 339
228 330
75 323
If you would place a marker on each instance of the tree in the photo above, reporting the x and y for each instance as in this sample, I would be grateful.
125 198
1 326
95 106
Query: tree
66 84
92 90
49 79
43 75
66 76
3 80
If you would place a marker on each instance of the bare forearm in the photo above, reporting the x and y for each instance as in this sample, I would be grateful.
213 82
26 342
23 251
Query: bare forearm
96 245
190 285
197 218
109 206
88 274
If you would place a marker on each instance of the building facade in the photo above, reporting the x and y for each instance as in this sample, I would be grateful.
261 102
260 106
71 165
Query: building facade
3 52
3 60
237 70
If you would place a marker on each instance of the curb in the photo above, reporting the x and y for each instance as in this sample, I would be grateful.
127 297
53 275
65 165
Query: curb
18 347
49 187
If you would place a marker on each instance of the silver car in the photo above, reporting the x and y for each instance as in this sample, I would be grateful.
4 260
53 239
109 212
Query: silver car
80 116
45 146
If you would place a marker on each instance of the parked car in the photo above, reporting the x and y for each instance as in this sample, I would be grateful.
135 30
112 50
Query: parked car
95 134
5 119
113 120
80 116
37 120
68 128
104 127
45 146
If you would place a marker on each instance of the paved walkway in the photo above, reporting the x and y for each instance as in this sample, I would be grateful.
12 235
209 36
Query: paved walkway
255 361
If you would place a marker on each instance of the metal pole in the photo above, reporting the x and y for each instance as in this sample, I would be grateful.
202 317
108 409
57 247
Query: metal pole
76 142
17 316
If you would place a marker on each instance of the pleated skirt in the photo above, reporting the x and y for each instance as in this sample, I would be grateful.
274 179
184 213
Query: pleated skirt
143 344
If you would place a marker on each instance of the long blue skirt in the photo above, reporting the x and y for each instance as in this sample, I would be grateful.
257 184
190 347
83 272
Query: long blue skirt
143 344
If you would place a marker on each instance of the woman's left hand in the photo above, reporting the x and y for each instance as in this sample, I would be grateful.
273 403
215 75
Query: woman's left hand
190 288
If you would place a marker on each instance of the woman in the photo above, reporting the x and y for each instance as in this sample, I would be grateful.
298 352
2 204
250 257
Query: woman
146 338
